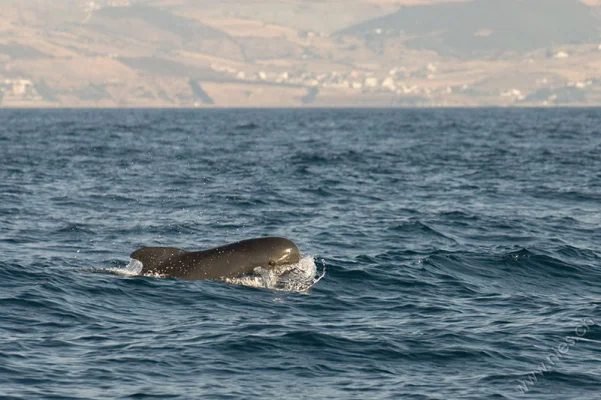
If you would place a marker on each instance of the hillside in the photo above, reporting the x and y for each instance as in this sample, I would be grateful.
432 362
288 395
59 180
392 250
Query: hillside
491 28
254 53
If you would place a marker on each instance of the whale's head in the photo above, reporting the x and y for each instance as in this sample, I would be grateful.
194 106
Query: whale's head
282 252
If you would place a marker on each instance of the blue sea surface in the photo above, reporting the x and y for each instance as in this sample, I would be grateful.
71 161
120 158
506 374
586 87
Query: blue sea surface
462 253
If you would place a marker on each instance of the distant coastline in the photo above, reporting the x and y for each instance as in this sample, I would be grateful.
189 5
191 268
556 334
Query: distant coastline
131 54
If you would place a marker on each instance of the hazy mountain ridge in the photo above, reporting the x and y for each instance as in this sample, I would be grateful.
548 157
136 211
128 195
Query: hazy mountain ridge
487 27
181 53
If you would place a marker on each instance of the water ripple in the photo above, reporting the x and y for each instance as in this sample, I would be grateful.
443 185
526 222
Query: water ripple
461 249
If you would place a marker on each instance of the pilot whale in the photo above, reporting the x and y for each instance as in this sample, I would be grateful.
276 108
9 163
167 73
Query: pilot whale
227 261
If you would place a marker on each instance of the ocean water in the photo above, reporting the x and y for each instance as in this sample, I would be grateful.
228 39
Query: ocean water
461 248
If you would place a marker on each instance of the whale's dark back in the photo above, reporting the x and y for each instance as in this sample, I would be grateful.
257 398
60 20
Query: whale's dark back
221 262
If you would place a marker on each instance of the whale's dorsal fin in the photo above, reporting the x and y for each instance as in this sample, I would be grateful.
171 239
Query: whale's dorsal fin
152 257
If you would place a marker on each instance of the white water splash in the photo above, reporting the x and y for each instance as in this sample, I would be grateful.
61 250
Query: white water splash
134 268
292 278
